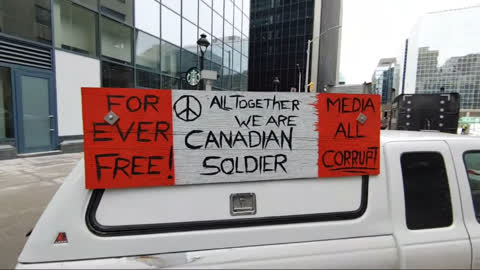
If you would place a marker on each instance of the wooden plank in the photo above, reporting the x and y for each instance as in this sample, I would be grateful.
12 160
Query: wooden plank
182 137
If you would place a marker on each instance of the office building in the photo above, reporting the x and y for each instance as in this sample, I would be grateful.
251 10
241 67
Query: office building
52 48
280 31
443 55
383 78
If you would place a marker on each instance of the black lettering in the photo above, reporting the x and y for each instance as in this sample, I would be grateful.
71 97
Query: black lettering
295 104
242 122
345 105
323 159
258 104
110 103
99 167
357 105
266 163
239 137
291 120
140 131
162 130
247 170
98 131
333 103
369 105
284 138
236 166
212 139
189 145
151 103
255 120
338 154
279 163
223 168
124 136
139 104
250 137
227 139
120 168
237 97
151 165
340 129
134 165
206 166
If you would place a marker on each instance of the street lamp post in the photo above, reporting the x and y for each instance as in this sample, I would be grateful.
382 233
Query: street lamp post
203 43
309 43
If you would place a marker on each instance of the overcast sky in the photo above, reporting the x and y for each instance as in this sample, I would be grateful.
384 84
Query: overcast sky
374 29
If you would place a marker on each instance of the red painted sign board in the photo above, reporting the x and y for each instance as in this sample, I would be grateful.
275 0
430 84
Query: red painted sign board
135 151
349 134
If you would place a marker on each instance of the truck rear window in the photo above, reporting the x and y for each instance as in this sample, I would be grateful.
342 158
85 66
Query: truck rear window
472 164
117 212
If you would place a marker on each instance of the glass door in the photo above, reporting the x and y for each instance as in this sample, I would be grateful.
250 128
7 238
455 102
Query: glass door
36 117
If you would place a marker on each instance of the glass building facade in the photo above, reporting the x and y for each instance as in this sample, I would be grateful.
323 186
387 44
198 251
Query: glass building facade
278 42
68 44
443 55
152 43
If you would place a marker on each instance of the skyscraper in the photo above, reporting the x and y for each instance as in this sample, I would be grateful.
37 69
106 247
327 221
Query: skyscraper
280 31
443 55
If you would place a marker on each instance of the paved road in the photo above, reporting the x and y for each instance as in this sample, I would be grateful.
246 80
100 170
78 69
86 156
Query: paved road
26 187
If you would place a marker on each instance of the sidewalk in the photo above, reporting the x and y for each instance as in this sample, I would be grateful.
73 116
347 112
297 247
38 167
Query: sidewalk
26 187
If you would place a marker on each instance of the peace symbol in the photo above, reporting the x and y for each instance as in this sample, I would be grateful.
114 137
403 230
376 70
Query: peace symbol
188 108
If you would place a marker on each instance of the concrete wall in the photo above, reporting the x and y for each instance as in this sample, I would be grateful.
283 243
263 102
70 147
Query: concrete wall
72 73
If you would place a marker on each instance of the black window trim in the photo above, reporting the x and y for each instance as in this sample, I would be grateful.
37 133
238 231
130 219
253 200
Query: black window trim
468 179
125 230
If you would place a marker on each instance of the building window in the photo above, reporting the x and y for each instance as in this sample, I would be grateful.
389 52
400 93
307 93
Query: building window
26 19
147 79
205 21
121 10
147 16
170 26
170 59
6 107
147 51
190 10
173 4
218 6
170 83
427 194
75 28
116 40
91 4
189 36
114 75
472 164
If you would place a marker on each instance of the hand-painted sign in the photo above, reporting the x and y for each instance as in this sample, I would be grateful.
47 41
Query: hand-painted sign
137 138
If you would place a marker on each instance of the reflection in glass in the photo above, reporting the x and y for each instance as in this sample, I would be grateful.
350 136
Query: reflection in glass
34 23
147 16
246 26
170 26
173 4
6 105
189 36
218 69
170 83
92 4
229 11
246 7
237 41
238 19
170 58
236 79
245 46
218 6
236 61
116 40
227 56
190 9
120 10
114 75
75 28
36 111
147 51
205 21
244 84
217 25
217 51
227 79
147 79
244 65
189 60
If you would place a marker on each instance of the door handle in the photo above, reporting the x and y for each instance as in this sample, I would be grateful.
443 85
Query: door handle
51 116
52 130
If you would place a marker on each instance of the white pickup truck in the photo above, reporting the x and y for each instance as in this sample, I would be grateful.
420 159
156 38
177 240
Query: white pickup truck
422 211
